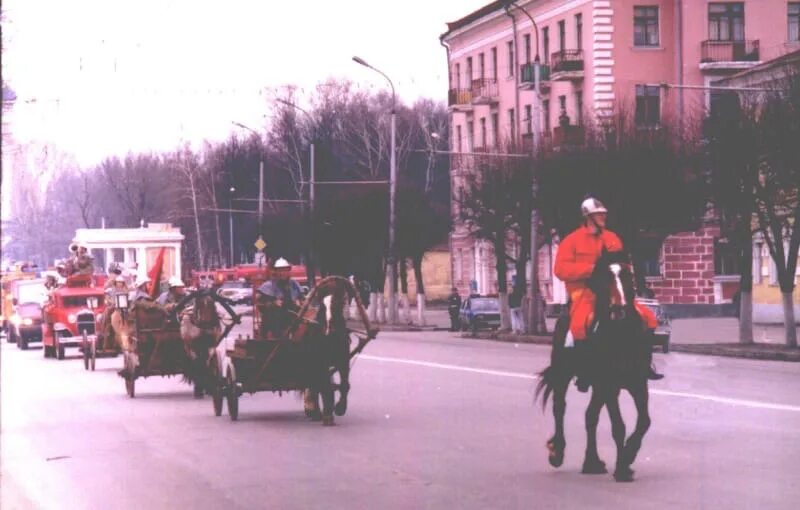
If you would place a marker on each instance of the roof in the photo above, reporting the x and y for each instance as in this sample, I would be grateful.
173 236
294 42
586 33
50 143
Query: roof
786 60
473 16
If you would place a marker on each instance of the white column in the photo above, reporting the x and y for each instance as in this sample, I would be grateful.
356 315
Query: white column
178 272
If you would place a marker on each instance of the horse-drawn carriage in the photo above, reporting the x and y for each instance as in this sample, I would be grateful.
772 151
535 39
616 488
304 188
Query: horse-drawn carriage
156 342
314 346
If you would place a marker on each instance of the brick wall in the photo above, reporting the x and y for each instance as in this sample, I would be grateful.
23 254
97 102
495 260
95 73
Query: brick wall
688 275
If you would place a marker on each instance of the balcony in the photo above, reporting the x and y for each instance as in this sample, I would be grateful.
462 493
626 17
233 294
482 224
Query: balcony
485 91
729 54
569 136
526 76
460 99
566 65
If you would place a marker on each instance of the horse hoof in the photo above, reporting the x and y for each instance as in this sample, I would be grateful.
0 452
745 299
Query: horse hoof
340 408
595 467
555 455
327 421
314 414
623 475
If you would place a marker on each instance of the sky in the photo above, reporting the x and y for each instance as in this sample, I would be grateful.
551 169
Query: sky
103 77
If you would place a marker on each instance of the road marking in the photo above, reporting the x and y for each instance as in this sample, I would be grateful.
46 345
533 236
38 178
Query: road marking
460 368
518 375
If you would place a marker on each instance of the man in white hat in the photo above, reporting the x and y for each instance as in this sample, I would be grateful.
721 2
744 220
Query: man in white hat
141 296
278 297
176 292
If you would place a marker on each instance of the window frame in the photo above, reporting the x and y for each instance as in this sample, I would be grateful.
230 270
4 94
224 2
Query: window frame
494 63
792 17
546 44
646 21
579 31
729 15
510 54
650 93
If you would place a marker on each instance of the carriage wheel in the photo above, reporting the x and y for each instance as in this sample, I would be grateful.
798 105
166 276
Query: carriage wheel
130 377
86 353
233 397
217 386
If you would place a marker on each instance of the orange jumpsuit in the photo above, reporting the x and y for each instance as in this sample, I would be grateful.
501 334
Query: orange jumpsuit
577 255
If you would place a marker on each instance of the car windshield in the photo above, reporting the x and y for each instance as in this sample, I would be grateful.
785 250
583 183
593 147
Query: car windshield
484 305
78 301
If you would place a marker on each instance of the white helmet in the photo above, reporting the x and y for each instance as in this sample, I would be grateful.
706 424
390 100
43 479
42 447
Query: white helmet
142 280
281 263
592 206
175 282
120 278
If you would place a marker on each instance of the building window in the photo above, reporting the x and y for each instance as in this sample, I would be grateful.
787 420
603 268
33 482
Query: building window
528 120
650 252
546 44
469 72
512 124
459 140
645 26
648 105
726 258
470 135
546 115
458 76
726 21
494 63
562 35
579 31
527 39
510 46
579 107
482 66
794 21
496 129
483 133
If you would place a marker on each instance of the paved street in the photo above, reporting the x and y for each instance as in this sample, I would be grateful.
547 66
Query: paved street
435 422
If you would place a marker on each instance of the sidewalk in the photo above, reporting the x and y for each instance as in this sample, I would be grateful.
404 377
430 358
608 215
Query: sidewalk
713 336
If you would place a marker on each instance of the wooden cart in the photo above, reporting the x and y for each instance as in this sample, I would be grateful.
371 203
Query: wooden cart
259 363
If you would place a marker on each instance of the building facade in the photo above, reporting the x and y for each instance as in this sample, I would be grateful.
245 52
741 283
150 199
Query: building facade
649 59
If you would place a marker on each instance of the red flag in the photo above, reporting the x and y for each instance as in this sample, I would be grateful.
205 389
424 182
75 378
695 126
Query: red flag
155 274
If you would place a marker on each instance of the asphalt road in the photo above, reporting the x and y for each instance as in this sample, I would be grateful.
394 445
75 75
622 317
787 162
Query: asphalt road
434 422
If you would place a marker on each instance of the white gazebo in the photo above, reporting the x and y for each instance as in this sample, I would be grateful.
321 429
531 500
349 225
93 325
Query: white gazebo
136 248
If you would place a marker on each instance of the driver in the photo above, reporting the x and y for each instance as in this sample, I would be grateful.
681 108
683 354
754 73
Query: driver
278 297
176 292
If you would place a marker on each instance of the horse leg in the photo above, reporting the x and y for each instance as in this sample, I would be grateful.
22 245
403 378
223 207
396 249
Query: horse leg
622 471
344 377
557 444
311 404
640 394
592 465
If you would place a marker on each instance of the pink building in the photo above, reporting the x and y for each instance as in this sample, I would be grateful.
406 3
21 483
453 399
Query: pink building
600 57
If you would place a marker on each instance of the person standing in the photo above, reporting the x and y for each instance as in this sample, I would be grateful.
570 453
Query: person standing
454 308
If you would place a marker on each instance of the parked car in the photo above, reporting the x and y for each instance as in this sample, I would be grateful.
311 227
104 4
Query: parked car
25 325
480 312
236 290
664 328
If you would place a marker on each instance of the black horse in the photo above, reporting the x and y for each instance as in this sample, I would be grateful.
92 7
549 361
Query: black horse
617 356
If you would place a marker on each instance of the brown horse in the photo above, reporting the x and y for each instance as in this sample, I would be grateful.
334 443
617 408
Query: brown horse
321 327
618 361
201 329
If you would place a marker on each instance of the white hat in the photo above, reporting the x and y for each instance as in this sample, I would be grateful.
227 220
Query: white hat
281 263
592 206
142 280
176 282
120 278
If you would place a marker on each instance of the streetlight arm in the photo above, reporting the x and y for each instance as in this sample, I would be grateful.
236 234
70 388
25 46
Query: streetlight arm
535 28
361 61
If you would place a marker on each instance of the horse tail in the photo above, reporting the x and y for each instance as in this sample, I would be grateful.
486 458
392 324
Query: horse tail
545 386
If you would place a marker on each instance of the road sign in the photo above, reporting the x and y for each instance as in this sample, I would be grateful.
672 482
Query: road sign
260 244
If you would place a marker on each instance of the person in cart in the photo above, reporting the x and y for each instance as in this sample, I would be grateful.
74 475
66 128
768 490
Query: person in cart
176 292
278 298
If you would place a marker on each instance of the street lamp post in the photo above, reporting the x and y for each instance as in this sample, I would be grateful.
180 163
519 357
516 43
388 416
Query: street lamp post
230 223
311 185
260 181
392 319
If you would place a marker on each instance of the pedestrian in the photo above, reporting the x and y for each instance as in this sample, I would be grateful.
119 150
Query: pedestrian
454 308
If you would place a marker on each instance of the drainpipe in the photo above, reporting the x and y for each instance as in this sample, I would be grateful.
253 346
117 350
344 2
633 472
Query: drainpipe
450 133
517 116
679 57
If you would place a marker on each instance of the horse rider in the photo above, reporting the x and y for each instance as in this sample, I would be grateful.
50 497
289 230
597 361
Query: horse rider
577 255
280 295
176 292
